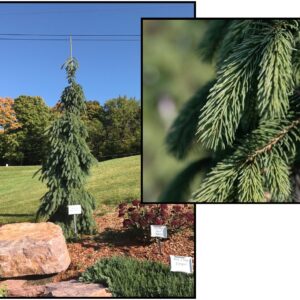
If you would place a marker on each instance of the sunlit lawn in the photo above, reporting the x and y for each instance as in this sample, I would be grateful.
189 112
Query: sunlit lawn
111 182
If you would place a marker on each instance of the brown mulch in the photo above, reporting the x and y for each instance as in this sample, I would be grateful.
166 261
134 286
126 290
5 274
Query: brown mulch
113 240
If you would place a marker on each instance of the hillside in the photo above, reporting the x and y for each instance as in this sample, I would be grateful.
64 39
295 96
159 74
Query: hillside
111 182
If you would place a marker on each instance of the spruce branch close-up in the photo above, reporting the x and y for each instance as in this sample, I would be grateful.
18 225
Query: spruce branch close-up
247 119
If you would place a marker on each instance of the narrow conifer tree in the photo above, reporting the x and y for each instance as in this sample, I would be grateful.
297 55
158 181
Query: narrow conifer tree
248 118
68 162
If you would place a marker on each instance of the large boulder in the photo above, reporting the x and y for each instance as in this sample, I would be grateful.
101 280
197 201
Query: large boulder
32 249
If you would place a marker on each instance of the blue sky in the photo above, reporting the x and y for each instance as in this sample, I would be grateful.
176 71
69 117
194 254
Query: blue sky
107 69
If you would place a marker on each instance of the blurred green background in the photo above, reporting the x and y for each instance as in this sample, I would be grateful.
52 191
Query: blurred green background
172 73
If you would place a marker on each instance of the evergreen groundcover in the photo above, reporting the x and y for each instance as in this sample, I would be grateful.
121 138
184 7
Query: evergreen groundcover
247 118
128 277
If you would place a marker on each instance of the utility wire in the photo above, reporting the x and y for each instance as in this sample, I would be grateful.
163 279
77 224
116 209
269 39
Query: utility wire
67 35
64 40
99 8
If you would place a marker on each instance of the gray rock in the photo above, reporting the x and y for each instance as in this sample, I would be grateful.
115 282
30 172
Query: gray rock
71 288
74 288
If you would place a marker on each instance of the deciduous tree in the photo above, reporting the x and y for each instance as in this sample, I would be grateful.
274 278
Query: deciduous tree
8 119
122 121
34 117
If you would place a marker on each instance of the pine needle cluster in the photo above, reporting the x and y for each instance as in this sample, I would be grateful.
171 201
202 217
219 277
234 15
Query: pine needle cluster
248 118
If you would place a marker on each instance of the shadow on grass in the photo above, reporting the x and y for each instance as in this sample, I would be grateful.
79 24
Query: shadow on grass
16 218
17 215
111 202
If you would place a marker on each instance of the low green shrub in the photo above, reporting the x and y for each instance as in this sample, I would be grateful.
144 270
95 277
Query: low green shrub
3 291
128 277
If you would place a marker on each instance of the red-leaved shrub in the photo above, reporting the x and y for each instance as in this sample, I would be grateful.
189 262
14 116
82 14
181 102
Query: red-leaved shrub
139 217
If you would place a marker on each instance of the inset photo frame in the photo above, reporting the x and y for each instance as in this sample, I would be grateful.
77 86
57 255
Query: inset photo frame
221 115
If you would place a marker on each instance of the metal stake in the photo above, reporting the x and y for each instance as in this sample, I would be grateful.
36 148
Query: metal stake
75 224
159 245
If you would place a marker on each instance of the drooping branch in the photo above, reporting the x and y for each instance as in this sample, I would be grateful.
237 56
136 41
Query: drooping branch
274 141
269 147
267 51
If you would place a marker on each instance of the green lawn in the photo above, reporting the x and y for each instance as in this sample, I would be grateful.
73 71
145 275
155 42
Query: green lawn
111 182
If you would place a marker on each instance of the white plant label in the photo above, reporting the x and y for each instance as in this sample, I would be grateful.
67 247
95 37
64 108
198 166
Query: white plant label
74 209
181 264
159 231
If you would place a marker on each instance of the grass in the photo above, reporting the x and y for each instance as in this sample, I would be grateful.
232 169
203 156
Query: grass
111 182
3 291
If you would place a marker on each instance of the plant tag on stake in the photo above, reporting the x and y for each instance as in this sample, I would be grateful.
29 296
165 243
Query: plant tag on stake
181 264
74 210
159 231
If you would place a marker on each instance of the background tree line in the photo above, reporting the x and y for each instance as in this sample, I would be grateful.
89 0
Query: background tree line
114 128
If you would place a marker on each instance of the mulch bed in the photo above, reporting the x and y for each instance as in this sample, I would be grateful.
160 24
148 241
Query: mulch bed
113 240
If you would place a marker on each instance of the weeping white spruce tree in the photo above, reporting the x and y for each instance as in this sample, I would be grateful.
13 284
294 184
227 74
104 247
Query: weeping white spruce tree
68 162
248 118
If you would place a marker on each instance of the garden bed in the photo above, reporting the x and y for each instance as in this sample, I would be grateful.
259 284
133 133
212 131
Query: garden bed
112 239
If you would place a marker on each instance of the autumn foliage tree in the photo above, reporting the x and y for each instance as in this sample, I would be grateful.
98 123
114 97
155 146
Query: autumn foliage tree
10 137
8 119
